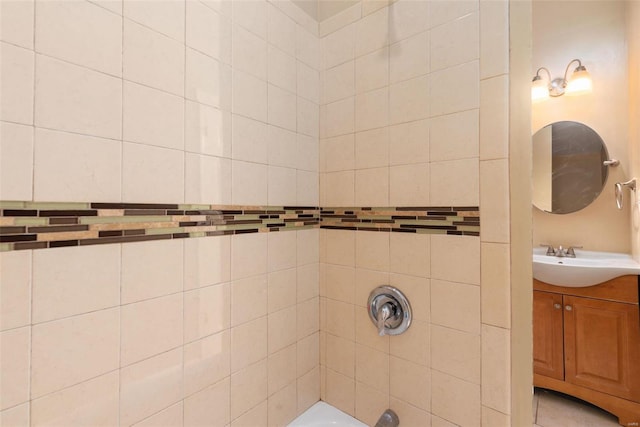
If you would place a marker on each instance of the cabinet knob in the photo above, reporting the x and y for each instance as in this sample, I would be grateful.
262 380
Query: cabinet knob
568 307
557 306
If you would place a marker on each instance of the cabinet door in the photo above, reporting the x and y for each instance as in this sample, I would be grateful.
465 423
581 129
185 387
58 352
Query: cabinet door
602 346
548 357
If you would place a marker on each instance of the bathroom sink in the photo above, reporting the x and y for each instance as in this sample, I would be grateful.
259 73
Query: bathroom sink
586 269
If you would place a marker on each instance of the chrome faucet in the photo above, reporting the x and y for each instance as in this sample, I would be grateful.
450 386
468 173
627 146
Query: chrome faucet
561 252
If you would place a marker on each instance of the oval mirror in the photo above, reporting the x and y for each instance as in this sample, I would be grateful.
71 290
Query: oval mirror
568 168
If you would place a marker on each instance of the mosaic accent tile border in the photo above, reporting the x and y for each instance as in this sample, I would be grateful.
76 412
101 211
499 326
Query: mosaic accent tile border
36 225
41 225
462 221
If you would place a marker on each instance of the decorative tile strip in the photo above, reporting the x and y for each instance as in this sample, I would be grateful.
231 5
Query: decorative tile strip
38 225
456 220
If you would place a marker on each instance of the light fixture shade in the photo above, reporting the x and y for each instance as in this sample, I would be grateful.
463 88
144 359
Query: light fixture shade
539 90
580 82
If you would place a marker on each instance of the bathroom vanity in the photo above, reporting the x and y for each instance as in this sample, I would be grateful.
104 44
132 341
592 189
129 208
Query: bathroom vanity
586 343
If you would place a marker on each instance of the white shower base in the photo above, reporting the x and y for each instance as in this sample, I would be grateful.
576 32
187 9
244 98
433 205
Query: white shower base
324 415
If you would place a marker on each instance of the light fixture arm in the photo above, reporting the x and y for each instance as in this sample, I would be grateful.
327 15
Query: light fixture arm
542 69
566 71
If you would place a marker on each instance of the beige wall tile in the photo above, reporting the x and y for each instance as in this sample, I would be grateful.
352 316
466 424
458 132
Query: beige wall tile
249 97
494 201
455 305
208 407
83 167
69 351
409 58
15 287
465 78
94 402
372 148
442 12
249 52
340 319
281 30
409 100
248 388
207 130
170 417
370 403
372 250
282 190
308 317
281 109
17 23
413 344
372 187
410 253
339 117
491 417
281 290
496 368
248 183
153 117
372 32
207 80
152 174
366 332
308 47
407 18
81 33
307 249
308 389
17 84
372 367
372 109
200 172
455 400
280 373
206 361
456 353
248 343
409 185
308 281
308 118
248 299
337 153
60 281
341 355
77 99
365 282
18 415
206 311
281 329
206 261
455 42
410 382
338 82
338 188
455 136
410 143
496 295
338 47
208 31
166 17
308 354
256 416
16 162
409 414
372 70
308 82
283 406
494 38
341 247
250 140
494 104
15 371
340 283
248 255
340 392
253 16
150 386
417 291
151 327
455 258
455 183
281 249
160 274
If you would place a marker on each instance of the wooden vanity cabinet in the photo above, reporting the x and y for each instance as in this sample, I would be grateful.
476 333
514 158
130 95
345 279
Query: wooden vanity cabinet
587 344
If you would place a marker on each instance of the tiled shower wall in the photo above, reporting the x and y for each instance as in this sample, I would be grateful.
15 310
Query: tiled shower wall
414 112
197 102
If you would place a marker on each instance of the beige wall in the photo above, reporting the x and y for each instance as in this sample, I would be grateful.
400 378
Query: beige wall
594 32
633 40
167 102
415 112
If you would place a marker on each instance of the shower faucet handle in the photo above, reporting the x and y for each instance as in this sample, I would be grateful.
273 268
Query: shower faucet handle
384 313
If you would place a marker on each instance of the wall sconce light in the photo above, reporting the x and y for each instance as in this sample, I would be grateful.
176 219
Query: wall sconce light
578 84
